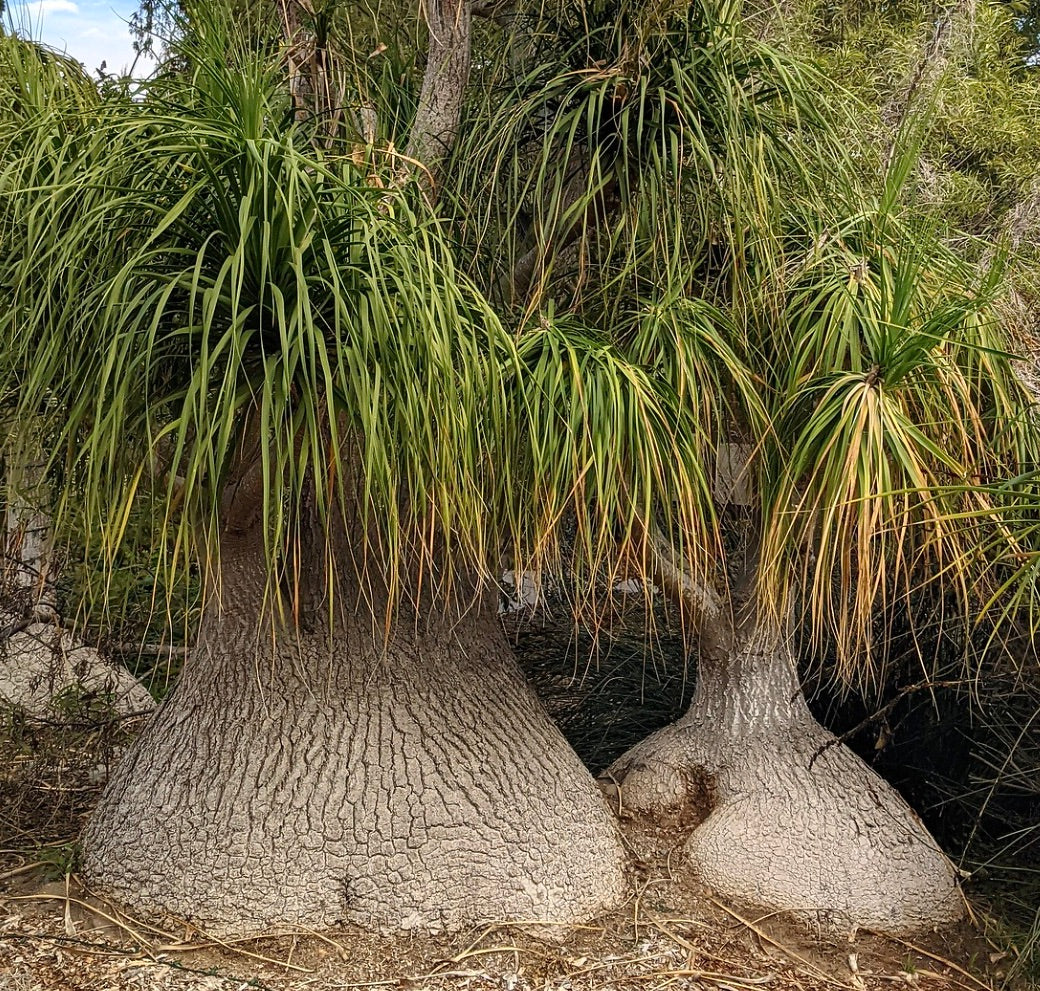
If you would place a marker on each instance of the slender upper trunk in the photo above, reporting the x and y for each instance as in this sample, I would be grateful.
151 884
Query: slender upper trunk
29 554
336 774
747 682
439 113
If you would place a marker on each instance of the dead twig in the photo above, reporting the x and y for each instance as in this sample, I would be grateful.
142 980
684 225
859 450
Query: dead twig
763 935
143 944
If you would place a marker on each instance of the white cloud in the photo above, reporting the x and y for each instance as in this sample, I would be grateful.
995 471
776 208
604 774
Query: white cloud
93 31
39 9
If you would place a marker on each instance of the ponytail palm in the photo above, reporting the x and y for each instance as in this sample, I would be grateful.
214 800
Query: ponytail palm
673 181
198 276
682 188
897 405
206 301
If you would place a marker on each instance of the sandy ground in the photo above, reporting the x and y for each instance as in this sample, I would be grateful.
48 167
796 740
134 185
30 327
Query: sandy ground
56 934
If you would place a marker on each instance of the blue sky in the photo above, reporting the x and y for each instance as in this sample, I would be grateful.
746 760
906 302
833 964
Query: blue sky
93 31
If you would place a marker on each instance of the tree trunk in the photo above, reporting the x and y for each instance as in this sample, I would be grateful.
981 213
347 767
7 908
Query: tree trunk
45 670
331 776
28 558
444 84
788 817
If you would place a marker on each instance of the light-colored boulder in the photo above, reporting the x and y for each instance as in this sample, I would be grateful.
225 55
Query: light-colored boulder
42 663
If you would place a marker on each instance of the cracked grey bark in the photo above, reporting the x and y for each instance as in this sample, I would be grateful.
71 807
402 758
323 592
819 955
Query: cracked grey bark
45 671
792 820
444 84
28 558
326 778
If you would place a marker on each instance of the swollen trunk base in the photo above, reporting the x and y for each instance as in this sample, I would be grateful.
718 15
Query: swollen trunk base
789 818
337 779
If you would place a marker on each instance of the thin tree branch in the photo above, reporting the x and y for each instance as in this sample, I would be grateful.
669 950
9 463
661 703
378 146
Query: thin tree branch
145 649
679 585
20 627
492 9
516 283
879 714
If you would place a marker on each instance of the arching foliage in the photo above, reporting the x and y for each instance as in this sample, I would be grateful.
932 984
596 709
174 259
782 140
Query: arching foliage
197 276
649 248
